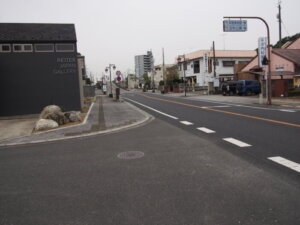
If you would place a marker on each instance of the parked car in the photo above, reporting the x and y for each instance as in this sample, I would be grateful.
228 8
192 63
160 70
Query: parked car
231 87
249 87
241 87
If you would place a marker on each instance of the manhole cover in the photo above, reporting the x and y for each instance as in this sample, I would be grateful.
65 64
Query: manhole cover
131 155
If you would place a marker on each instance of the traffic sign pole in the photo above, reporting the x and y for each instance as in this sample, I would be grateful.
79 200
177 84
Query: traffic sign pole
269 50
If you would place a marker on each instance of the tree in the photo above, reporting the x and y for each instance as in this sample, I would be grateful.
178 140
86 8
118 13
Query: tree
279 44
172 75
147 80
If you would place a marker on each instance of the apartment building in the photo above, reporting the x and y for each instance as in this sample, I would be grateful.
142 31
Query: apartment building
143 64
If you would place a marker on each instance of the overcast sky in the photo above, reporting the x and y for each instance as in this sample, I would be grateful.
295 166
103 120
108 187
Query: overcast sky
114 31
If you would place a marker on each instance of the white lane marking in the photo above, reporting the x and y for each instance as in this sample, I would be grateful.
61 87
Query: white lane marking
285 162
216 106
186 123
165 114
236 142
206 130
286 110
220 106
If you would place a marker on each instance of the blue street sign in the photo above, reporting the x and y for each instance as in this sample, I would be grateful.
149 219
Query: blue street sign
235 25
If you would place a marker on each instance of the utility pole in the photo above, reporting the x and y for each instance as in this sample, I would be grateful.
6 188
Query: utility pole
163 67
279 19
214 57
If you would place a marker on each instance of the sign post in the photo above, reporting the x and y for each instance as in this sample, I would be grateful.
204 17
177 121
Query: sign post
233 26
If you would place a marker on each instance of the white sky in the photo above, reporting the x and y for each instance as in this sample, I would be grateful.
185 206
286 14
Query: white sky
114 31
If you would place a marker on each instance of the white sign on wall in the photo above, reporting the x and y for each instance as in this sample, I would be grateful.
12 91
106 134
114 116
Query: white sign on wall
262 50
205 62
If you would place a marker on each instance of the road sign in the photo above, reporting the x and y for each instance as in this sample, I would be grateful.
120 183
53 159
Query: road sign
205 62
119 78
235 25
118 73
262 50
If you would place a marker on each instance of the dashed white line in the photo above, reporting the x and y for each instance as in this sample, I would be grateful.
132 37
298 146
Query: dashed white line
220 106
206 130
286 110
186 123
236 142
165 114
285 162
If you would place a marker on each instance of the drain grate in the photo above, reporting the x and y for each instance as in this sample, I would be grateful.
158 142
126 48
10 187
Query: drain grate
131 155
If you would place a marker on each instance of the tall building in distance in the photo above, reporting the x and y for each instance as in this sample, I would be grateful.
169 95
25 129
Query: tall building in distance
143 64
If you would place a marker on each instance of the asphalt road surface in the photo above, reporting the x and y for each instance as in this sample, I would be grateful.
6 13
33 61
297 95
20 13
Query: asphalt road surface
180 168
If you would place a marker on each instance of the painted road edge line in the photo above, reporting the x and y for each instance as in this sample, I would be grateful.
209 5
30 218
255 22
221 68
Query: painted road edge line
206 130
285 162
236 142
186 123
165 114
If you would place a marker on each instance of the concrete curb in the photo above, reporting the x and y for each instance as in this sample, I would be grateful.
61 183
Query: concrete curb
147 119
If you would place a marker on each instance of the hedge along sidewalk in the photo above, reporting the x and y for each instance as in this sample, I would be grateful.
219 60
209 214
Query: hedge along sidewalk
105 115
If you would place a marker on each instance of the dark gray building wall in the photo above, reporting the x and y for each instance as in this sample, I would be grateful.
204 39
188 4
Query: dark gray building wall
30 81
88 91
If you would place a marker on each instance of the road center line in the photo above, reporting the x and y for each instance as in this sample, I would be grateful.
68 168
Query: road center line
186 123
285 162
165 114
206 130
236 142
222 111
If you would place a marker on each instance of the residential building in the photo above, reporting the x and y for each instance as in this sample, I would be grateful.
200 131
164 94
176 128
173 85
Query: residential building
38 67
143 64
157 74
199 65
285 68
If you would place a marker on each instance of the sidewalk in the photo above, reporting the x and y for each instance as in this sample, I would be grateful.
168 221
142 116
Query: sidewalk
247 100
105 115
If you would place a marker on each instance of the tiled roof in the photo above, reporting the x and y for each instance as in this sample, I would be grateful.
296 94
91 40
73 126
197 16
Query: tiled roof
292 55
35 32
222 54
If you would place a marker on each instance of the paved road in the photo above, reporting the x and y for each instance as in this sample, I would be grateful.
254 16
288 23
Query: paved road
265 132
183 177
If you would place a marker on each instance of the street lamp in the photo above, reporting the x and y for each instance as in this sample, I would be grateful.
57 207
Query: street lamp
106 69
184 65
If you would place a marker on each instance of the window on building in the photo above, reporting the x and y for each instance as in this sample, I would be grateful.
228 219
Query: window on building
44 47
196 66
27 47
65 47
228 63
217 62
4 47
22 47
179 67
17 48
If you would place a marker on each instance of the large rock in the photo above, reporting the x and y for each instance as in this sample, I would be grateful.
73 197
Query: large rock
44 124
53 112
49 109
73 116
